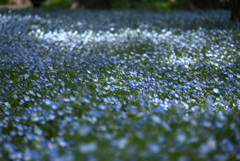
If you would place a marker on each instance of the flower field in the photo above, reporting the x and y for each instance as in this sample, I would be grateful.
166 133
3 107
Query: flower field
119 85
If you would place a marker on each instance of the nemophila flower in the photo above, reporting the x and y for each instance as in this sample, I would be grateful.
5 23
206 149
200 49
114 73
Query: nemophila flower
215 90
238 156
15 96
54 106
226 145
221 157
35 118
31 92
7 104
204 149
181 137
84 130
20 133
16 156
61 142
22 101
221 116
85 99
153 148
107 136
29 136
19 126
38 131
94 113
66 100
120 143
86 148
31 154
39 95
72 98
156 119
47 102
212 144
183 158
219 124
26 98
102 107
17 118
60 112
209 102
193 139
13 133
50 117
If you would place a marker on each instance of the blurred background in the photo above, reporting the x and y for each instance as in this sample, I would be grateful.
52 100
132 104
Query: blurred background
164 5
123 4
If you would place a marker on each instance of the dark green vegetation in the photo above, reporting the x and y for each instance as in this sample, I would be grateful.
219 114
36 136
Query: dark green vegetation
119 85
130 4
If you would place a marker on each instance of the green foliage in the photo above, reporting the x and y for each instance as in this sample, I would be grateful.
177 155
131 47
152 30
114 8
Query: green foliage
165 5
3 2
147 4
57 3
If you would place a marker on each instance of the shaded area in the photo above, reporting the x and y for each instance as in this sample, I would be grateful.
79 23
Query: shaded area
127 4
235 10
164 5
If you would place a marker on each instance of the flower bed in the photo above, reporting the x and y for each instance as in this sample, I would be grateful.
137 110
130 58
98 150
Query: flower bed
119 85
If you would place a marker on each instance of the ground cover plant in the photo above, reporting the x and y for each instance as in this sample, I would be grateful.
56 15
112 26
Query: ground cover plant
119 85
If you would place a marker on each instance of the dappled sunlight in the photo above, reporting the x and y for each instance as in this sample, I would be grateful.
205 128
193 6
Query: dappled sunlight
128 85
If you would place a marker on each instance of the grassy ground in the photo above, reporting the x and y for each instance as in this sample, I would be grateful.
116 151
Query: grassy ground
119 85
